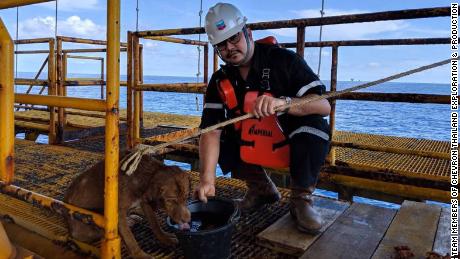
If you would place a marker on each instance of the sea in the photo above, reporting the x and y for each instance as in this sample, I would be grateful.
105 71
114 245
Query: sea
427 121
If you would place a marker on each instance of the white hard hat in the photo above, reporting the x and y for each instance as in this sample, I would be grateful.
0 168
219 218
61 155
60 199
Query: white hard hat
223 21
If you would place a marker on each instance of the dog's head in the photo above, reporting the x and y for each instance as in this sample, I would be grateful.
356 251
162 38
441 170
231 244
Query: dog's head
173 188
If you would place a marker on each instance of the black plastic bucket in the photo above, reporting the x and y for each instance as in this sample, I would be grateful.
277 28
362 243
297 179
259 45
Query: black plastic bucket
211 229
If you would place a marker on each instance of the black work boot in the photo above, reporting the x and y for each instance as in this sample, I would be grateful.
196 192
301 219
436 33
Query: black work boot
308 220
259 193
261 189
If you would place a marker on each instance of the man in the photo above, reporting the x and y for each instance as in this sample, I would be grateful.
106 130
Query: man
251 66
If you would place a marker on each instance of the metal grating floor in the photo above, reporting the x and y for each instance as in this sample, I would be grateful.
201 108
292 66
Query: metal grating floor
48 171
151 119
393 141
415 166
409 165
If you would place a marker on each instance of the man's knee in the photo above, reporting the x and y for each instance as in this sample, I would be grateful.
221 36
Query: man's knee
248 172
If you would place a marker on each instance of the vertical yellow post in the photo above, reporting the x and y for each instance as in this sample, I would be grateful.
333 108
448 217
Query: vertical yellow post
60 91
335 57
64 88
52 91
6 105
102 79
129 93
7 250
137 95
141 93
111 244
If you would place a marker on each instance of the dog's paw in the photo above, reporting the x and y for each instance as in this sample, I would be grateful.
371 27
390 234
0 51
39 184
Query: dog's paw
142 255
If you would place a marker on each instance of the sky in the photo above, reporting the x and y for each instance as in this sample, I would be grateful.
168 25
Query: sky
87 19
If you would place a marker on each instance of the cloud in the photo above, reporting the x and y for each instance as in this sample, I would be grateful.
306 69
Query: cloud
432 32
72 5
37 27
345 31
149 44
81 27
374 64
73 26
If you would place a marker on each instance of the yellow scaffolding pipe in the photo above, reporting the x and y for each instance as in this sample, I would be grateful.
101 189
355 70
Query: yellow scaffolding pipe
7 249
52 91
111 244
137 99
6 105
13 3
61 101
177 40
85 57
53 204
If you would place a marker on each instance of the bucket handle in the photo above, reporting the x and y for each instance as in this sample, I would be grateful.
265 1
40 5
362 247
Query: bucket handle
235 215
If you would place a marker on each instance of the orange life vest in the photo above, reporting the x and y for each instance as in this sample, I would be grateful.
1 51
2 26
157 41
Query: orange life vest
263 141
228 97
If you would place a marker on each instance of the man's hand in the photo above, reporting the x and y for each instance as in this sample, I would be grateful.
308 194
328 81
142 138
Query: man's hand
204 190
265 105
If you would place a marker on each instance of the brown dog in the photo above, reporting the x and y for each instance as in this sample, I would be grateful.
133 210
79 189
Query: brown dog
152 186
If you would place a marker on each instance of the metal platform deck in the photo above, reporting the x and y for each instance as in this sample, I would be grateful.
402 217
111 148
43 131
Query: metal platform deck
77 118
358 231
389 172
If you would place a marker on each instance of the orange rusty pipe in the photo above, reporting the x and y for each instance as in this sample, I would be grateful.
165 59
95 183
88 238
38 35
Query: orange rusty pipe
173 87
60 101
88 41
57 206
85 57
14 3
7 250
32 41
177 40
52 91
129 93
137 79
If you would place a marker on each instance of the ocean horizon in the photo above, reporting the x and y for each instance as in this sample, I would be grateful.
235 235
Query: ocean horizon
415 120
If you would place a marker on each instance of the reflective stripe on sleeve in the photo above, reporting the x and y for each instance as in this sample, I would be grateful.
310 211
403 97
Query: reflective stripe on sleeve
213 106
305 88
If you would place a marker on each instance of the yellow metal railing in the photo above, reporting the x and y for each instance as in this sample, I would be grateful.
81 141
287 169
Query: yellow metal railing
6 105
14 3
111 243
136 87
66 57
299 45
50 82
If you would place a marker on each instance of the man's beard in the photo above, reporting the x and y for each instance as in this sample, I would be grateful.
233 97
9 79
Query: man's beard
230 54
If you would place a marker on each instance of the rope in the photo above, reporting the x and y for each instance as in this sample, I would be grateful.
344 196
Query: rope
129 164
200 13
320 37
